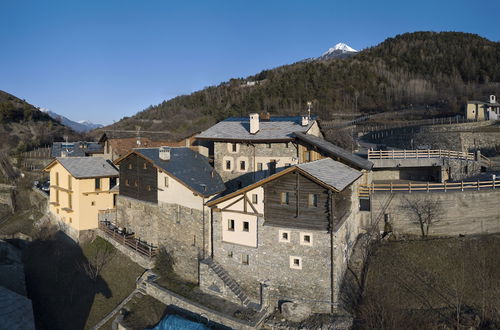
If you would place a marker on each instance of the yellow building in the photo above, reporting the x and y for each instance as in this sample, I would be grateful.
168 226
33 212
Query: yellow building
79 188
478 110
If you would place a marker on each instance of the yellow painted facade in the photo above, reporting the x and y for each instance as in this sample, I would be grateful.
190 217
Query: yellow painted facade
77 202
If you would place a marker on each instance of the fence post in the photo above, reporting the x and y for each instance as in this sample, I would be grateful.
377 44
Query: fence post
477 184
404 153
428 153
409 187
445 186
427 186
462 185
391 186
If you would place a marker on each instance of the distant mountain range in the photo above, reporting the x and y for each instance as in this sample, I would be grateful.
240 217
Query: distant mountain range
78 126
340 50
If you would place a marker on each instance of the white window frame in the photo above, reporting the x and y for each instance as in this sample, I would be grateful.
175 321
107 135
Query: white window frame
303 242
281 239
230 147
292 263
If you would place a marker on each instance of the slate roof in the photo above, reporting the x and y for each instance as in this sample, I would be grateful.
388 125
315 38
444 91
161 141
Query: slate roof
276 128
16 311
76 149
331 172
88 167
189 167
335 151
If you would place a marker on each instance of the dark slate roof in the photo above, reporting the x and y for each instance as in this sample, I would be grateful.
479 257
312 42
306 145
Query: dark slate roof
16 311
189 167
331 172
335 151
88 167
76 149
276 128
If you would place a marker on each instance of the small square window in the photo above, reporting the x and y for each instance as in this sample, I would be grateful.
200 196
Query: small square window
243 165
269 145
313 200
92 203
230 225
284 236
296 262
246 226
228 164
255 199
245 259
306 239
166 182
230 254
285 197
234 147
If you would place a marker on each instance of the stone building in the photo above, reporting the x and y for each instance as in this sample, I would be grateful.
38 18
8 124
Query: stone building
245 150
478 110
288 236
80 188
162 201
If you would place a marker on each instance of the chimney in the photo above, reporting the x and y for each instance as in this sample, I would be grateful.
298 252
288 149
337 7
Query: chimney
164 153
305 121
493 99
254 123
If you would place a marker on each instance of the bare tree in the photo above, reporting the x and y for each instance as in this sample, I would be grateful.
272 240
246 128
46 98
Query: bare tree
93 266
422 210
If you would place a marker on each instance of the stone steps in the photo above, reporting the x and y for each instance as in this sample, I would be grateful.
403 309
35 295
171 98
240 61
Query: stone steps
230 283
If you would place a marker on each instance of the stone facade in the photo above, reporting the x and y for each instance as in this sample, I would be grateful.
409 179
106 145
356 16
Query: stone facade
253 154
184 232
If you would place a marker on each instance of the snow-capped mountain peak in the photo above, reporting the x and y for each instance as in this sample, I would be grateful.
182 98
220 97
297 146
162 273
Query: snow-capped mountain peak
339 48
80 126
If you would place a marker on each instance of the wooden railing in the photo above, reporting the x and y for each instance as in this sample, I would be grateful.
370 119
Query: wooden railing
128 239
413 154
366 190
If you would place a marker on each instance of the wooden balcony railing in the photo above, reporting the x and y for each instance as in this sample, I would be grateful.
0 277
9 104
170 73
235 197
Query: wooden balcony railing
413 154
128 239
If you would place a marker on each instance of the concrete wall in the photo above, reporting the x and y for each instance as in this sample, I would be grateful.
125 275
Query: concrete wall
184 232
469 212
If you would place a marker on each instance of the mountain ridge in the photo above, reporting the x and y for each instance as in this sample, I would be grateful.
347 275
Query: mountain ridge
81 126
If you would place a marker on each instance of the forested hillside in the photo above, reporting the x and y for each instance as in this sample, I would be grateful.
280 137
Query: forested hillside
421 68
22 126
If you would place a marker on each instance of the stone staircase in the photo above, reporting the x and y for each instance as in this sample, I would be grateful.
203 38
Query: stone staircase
230 282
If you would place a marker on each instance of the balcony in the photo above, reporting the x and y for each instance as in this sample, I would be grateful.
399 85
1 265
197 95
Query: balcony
128 239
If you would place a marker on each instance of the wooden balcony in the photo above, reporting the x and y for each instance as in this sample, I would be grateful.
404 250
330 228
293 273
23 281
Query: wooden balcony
128 239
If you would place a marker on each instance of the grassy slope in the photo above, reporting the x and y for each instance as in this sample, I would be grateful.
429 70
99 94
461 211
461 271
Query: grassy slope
414 282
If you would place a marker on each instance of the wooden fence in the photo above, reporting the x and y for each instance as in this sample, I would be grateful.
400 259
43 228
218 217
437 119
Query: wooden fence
128 240
409 187
412 154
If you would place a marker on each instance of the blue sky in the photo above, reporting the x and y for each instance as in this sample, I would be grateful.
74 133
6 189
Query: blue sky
103 59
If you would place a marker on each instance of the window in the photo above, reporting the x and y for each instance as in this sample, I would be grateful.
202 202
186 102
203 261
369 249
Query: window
130 166
136 183
234 147
307 156
296 262
166 182
70 220
92 203
364 204
69 182
230 254
246 226
285 197
313 200
244 259
57 197
70 201
148 187
57 179
284 236
230 225
228 165
145 166
127 182
97 184
254 199
259 166
112 182
243 166
269 145
306 239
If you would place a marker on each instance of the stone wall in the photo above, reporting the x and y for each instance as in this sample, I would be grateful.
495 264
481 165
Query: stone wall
283 153
182 231
7 196
467 213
